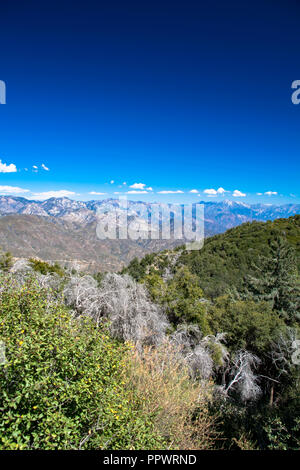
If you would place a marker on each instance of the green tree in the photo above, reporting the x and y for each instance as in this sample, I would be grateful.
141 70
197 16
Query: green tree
184 300
276 280
135 269
248 325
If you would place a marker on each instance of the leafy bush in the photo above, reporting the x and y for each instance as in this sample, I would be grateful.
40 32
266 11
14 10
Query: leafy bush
282 437
6 261
248 325
144 365
181 297
60 382
46 268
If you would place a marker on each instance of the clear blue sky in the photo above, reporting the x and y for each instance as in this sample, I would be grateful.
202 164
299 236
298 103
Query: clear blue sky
172 95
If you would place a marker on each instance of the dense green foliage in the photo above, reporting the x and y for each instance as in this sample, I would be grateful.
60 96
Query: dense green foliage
226 259
45 268
276 280
249 325
181 296
6 261
60 384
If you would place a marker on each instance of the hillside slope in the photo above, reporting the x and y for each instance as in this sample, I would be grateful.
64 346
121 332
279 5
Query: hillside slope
226 258
53 239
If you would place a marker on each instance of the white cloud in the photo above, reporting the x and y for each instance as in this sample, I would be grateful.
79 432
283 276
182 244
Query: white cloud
237 193
124 183
214 192
137 192
45 167
59 193
112 182
271 193
4 168
210 192
194 191
170 192
12 190
138 186
95 193
221 191
268 193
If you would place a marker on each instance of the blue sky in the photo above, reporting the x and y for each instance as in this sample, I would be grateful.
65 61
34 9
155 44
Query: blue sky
173 96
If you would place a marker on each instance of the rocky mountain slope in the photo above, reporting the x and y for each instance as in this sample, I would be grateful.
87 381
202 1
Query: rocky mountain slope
53 239
219 216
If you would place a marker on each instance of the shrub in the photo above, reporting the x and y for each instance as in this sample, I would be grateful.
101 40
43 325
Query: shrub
181 297
46 268
247 324
60 382
179 405
6 261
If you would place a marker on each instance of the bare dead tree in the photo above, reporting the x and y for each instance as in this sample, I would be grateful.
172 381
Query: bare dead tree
83 296
126 304
132 314
198 350
242 378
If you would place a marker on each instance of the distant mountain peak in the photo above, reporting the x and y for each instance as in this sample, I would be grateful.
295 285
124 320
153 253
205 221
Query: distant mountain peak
231 203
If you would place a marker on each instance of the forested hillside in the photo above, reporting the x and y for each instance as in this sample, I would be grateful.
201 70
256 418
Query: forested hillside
227 259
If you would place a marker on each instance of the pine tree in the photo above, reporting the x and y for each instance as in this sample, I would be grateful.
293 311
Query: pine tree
276 280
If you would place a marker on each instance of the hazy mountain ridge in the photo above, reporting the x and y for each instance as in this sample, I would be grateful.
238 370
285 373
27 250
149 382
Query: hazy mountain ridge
219 216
